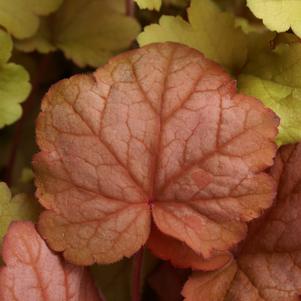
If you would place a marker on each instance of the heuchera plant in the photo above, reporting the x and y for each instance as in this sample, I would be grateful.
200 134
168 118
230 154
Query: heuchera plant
158 135
170 172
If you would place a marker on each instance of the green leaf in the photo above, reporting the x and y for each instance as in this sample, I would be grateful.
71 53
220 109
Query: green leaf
114 280
278 15
149 4
274 77
209 30
19 207
14 83
88 36
21 18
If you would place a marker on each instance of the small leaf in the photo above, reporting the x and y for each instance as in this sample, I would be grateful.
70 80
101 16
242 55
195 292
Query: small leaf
21 18
88 36
268 268
203 33
149 4
274 77
157 133
19 207
33 272
14 83
278 15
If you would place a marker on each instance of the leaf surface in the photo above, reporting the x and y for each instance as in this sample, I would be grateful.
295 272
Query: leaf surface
33 272
278 15
157 133
203 33
180 255
269 266
88 36
14 83
19 207
274 77
21 18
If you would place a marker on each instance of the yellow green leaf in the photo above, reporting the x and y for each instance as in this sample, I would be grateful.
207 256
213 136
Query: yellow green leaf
21 18
149 4
274 77
14 83
88 36
19 207
278 15
219 40
41 41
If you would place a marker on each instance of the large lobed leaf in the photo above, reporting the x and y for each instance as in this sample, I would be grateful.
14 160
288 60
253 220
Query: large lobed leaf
34 273
269 267
159 134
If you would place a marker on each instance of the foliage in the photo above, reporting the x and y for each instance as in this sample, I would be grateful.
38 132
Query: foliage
87 154
274 77
21 18
158 164
19 207
14 85
202 15
278 15
88 36
149 4
47 278
268 267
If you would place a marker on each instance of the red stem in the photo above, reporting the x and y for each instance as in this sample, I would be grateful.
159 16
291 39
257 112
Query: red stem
27 109
130 8
137 274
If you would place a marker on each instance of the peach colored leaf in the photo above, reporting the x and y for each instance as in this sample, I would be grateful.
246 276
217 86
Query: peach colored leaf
159 132
180 255
34 273
212 286
269 266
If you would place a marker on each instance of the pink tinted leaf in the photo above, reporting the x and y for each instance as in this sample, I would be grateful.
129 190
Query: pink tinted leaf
180 255
157 133
33 272
269 266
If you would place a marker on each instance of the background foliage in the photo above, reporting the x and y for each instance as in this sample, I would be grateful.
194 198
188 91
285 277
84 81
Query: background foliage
41 42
